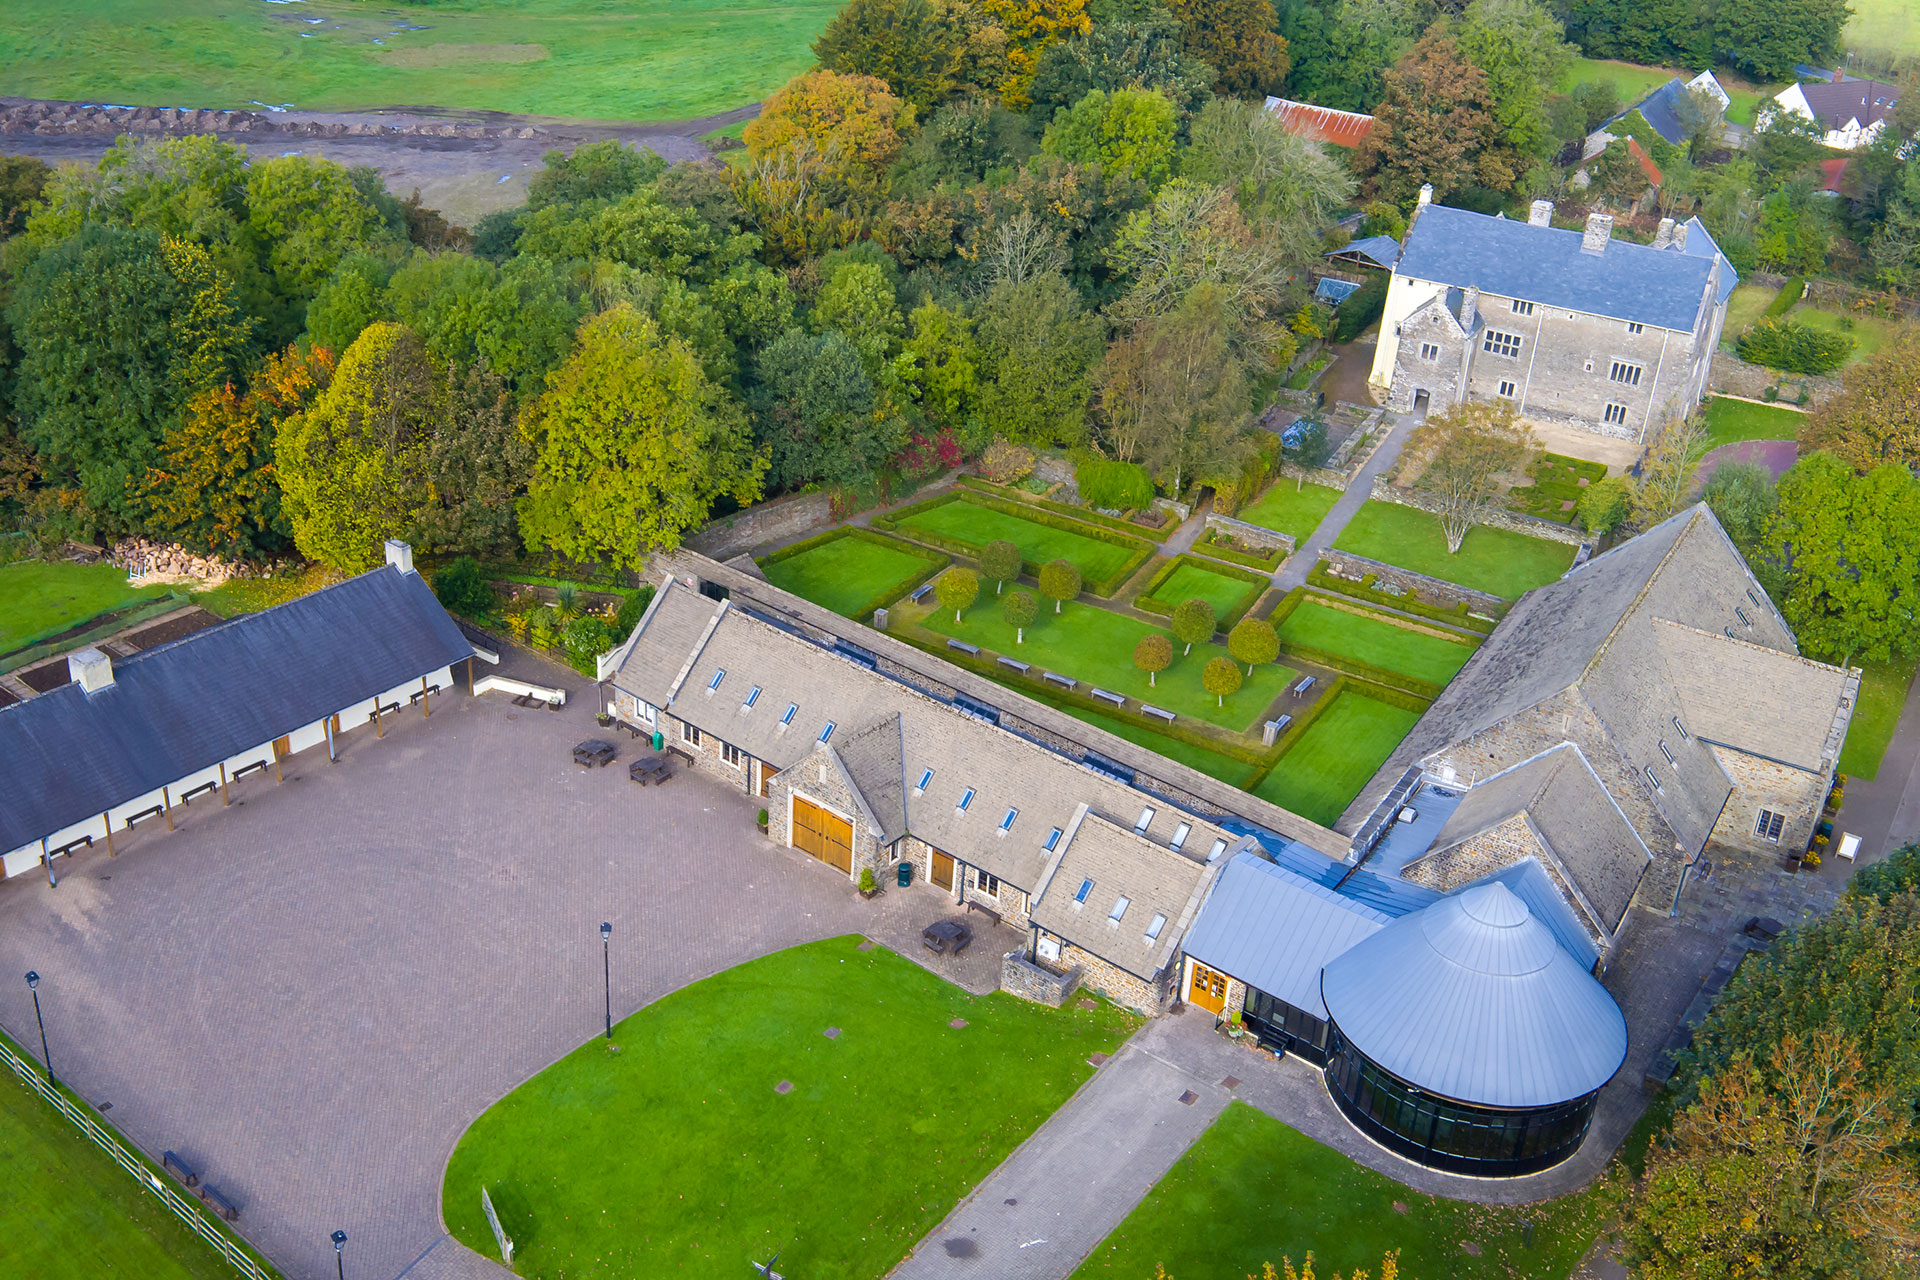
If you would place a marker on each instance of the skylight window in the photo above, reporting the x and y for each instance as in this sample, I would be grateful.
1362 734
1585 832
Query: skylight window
1120 905
1146 819
827 732
788 717
753 696
1180 834
1086 887
1154 927
966 798
719 674
1053 840
1219 847
1684 735
926 779
1007 822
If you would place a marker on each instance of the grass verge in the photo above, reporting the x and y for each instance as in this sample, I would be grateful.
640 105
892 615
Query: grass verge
851 571
1231 592
1731 421
968 522
1323 771
677 1157
1883 695
40 598
1375 641
1496 561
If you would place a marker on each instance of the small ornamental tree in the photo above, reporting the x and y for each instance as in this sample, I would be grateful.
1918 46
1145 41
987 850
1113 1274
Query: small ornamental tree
1220 678
1000 563
1193 623
1059 581
1020 609
1253 641
958 588
1153 654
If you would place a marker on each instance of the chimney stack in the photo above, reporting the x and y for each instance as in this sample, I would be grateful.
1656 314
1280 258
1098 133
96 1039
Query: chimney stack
1663 238
1469 307
1426 193
1540 214
1599 231
91 669
1839 74
399 555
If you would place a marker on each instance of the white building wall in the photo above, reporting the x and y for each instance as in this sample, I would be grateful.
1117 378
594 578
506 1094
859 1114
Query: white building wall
1405 296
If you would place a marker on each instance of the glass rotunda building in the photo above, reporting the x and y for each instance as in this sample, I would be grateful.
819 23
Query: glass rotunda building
1463 1036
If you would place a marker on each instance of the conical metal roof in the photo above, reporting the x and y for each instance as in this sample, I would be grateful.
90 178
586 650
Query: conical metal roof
1472 999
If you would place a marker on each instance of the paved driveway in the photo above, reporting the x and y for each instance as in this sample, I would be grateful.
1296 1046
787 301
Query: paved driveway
311 994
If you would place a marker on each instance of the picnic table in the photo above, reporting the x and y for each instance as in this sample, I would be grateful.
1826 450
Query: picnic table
648 770
594 751
943 936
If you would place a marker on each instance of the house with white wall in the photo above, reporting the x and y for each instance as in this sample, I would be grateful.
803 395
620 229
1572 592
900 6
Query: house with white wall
1850 113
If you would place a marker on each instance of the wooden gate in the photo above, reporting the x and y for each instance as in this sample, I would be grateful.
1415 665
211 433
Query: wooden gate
825 835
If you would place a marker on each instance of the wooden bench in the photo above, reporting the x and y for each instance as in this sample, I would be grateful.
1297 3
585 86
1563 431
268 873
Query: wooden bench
986 911
684 754
172 1163
186 797
971 650
218 1203
1280 725
1108 695
1016 664
143 815
921 594
258 766
1065 682
71 845
1158 713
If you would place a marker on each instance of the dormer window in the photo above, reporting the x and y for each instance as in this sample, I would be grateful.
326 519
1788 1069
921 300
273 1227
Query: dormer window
827 732
1120 905
926 779
1053 840
788 717
1180 834
753 696
1146 820
1086 887
719 674
966 798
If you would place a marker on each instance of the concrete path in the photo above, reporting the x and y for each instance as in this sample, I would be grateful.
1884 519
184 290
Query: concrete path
1294 572
1040 1214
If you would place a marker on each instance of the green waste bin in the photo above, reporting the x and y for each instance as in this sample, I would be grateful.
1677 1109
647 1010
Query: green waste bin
904 875
659 740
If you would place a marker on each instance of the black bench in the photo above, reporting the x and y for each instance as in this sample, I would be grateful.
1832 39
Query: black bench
258 766
684 754
186 797
180 1169
143 815
71 845
986 911
218 1203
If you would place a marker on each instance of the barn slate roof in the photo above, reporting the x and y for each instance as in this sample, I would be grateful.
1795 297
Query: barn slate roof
171 711
1156 881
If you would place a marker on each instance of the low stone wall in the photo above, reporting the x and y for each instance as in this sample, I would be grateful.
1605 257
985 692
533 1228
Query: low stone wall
1436 591
1492 517
1250 535
781 520
1029 981
82 118
1735 377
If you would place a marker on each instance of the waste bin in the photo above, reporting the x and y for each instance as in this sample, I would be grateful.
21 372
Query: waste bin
659 740
904 875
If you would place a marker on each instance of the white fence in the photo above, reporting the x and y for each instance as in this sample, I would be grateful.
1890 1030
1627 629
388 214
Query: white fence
183 1208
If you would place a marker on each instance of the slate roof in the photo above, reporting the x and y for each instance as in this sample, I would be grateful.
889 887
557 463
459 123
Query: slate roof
1158 884
1473 999
1381 250
1695 240
874 759
1661 110
1321 124
172 711
1546 265
1867 101
1756 699
1274 929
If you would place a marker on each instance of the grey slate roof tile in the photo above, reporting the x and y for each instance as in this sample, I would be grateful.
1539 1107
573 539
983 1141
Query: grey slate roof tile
1156 881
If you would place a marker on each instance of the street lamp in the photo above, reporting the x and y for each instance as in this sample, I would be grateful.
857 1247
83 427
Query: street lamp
339 1243
606 970
46 1060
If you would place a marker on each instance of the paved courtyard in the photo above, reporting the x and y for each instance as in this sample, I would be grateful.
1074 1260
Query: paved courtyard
311 994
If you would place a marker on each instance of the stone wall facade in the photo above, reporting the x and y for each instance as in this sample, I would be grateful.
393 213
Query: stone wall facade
1011 904
1115 983
1766 784
1435 591
781 520
1021 977
1497 847
1250 535
1492 517
817 780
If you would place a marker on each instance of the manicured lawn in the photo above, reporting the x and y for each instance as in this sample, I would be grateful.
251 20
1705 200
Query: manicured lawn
676 1157
1252 1191
1883 695
1096 647
1748 304
1324 770
1731 421
1374 641
848 574
38 599
1287 510
1212 763
977 525
641 60
1883 24
71 1213
1197 582
1632 80
1557 483
1491 560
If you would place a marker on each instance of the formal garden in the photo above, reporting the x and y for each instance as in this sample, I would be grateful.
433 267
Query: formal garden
1334 630
1291 508
851 571
1497 561
826 1103
44 598
1338 752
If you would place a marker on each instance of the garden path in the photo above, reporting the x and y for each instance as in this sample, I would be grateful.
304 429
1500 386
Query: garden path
1294 572
1884 811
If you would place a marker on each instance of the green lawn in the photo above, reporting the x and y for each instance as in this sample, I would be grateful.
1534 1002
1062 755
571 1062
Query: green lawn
1193 581
1374 641
1285 509
1096 647
38 599
1886 25
1746 308
976 525
71 1213
677 1157
1883 695
1557 486
1252 1190
1632 80
851 574
639 60
1326 767
1492 560
1225 768
1731 421
1869 333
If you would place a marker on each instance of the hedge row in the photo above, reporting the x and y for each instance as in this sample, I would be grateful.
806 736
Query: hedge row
934 560
1083 514
1364 590
1423 689
1147 602
1209 546
1297 730
1284 610
1102 587
1790 293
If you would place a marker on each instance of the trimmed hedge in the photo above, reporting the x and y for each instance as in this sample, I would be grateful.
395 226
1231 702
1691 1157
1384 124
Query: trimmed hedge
1103 587
1118 486
1146 602
1304 721
1085 515
1792 347
1790 293
1284 610
934 559
1366 592
1214 551
1423 689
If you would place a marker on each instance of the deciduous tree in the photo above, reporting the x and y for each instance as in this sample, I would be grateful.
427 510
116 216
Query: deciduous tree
915 46
1605 505
1143 52
1254 642
816 411
1461 454
1059 582
1029 27
604 170
478 463
1220 677
1239 39
1129 133
1176 394
1020 609
1876 417
1288 188
1433 125
1666 471
999 563
307 214
1849 547
957 589
1038 345
1193 623
1742 499
1153 654
1522 49
1766 38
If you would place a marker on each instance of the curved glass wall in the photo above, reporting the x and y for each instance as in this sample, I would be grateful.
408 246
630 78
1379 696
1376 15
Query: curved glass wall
1440 1133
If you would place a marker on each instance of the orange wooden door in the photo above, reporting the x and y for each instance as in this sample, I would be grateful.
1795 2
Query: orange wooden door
1208 989
826 836
942 874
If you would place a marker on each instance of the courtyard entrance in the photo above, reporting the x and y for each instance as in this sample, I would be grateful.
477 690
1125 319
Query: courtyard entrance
827 836
1208 989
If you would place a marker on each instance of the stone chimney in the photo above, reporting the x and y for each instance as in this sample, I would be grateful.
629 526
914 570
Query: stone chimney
1839 74
1599 231
399 555
1540 214
1426 193
1663 238
91 669
1469 307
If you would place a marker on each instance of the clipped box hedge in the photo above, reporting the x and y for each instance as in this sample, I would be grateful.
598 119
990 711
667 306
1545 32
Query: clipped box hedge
1084 515
1210 547
1424 690
1366 592
933 560
1148 602
1103 587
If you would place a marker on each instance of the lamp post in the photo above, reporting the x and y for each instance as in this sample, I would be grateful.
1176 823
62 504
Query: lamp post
46 1059
606 970
339 1243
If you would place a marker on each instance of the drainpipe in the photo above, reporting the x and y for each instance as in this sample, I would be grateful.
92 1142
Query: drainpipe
47 858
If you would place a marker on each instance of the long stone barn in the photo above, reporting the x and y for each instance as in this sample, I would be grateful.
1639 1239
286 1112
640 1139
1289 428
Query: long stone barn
126 742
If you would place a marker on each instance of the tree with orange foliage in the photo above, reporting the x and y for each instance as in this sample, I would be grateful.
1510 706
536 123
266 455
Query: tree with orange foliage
1030 26
817 160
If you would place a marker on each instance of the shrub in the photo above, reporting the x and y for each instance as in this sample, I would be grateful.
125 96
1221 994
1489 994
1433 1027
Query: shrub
1604 505
585 639
1792 347
1193 623
1059 581
631 610
1360 308
1153 654
1020 609
761 817
566 599
958 588
1790 293
867 884
463 588
1115 486
1004 463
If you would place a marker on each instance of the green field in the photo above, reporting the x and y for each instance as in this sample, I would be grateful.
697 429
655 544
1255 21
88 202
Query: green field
975 525
39 599
1731 421
1328 765
1287 510
1194 581
1252 1191
1869 333
1883 695
1374 641
1632 80
850 575
641 60
1887 26
676 1157
1491 560
1745 308
1096 647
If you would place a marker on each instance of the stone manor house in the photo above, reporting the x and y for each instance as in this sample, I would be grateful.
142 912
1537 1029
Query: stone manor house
1572 327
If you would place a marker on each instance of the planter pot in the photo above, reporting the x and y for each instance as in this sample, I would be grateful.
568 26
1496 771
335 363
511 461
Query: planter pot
869 895
603 719
762 826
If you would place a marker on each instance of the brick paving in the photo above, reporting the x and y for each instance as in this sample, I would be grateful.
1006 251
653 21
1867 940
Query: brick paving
311 994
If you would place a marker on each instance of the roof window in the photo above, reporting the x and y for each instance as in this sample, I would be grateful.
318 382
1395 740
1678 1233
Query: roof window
1681 730
1654 779
1146 820
788 717
753 696
1154 926
1219 847
1120 905
1086 887
966 798
719 674
920 787
827 732
1180 834
1007 822
1053 839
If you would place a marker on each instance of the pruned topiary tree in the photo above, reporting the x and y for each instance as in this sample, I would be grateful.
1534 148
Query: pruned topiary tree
1153 654
1059 581
958 588
999 563
1220 678
1020 609
1253 641
1193 623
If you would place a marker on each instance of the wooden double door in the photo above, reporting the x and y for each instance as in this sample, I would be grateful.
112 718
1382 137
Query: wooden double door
1208 989
822 833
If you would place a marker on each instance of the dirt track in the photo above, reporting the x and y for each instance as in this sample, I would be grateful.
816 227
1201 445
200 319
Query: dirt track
464 163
